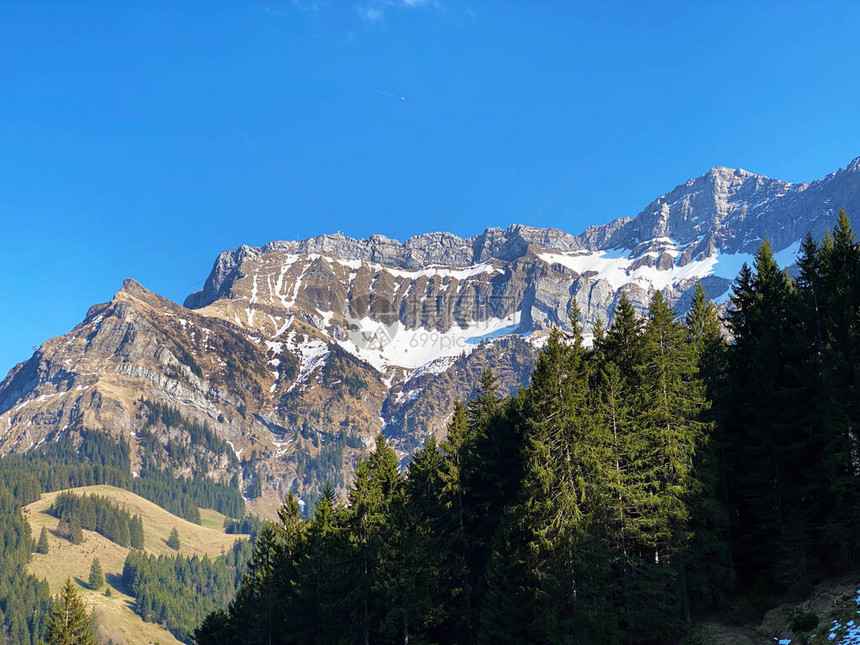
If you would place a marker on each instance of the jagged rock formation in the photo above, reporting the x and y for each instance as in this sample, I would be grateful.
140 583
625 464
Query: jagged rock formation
298 353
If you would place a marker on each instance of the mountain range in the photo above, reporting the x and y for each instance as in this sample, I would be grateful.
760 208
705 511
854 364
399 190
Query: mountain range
296 354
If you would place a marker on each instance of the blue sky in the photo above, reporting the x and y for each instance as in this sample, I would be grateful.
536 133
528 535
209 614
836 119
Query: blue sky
122 155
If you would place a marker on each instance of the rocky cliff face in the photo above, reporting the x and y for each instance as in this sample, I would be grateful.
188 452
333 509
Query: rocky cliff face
298 353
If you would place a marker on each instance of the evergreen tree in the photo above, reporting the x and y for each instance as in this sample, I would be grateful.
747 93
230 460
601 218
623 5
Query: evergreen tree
824 341
136 535
42 544
95 513
762 420
327 548
545 585
455 588
490 474
179 591
837 294
704 331
410 590
173 539
216 629
649 403
377 484
97 577
707 568
622 342
662 486
593 506
790 399
617 353
63 529
258 599
76 535
69 623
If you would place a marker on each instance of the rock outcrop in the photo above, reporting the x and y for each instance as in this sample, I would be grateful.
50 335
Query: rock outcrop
297 353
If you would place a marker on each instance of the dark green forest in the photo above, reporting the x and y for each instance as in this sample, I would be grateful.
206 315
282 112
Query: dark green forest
24 601
178 592
198 436
632 486
62 462
99 514
248 525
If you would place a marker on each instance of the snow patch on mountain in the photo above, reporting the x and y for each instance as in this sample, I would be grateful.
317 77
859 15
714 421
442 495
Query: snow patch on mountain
312 355
386 346
729 264
442 272
614 266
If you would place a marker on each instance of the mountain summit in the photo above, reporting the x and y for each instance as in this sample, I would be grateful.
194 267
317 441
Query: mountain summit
297 353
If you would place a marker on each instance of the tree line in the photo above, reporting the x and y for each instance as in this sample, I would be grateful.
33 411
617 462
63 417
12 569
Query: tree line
248 525
178 591
184 496
631 485
95 458
101 515
195 434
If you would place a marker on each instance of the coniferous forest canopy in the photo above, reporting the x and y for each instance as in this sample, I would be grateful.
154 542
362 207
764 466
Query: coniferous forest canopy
99 514
631 486
178 592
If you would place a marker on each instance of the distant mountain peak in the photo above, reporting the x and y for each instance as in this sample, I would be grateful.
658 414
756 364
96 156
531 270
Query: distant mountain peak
132 287
726 172
291 346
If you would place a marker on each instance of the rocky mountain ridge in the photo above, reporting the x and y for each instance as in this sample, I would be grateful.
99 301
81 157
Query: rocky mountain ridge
297 353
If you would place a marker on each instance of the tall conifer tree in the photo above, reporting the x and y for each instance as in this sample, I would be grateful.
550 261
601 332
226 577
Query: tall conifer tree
70 623
490 472
758 415
707 568
96 578
455 584
377 484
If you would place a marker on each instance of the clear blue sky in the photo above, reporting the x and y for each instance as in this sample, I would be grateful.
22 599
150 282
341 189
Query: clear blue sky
120 158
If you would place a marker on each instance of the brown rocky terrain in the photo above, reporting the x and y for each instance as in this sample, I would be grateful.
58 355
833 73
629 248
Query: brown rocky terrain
296 354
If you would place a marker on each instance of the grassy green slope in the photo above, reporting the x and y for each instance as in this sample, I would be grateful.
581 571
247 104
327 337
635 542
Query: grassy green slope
117 620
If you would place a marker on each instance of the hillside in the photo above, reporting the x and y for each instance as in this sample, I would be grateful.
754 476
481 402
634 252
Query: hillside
283 368
116 617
